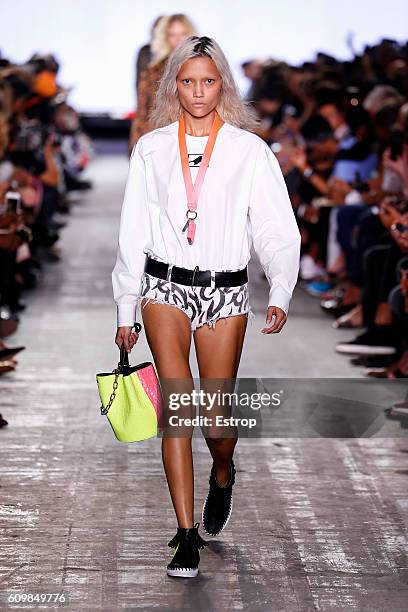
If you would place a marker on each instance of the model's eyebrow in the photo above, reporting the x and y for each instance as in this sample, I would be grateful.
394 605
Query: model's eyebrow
213 76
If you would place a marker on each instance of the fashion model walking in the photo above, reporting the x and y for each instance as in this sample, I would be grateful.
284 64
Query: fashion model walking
201 188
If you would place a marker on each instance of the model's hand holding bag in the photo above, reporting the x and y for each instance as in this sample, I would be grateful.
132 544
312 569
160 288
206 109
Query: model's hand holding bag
131 398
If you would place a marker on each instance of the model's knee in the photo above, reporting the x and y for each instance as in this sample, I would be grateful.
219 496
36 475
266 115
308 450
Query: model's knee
218 440
214 439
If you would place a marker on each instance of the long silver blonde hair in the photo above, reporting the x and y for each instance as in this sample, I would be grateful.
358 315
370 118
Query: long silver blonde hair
231 106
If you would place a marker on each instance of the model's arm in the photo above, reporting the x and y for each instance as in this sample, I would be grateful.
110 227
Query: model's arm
134 233
275 233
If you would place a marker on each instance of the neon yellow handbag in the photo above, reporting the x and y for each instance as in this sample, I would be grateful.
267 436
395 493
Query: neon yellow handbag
131 399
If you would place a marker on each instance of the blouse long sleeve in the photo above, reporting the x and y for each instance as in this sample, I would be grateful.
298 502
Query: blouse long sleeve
134 232
275 233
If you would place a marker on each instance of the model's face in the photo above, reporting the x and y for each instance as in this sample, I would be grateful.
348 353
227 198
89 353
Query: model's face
199 86
176 33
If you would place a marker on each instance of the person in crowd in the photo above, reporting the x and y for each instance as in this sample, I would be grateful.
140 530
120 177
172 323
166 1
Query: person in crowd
252 69
168 33
144 55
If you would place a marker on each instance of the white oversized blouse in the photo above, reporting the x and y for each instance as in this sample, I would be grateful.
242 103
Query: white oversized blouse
243 200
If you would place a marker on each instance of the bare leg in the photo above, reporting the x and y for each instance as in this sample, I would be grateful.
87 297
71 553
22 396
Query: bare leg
218 353
168 333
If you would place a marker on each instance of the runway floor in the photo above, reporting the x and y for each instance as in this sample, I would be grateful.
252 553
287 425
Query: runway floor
318 523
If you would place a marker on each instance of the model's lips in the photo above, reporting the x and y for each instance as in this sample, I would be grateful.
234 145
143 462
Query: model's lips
198 104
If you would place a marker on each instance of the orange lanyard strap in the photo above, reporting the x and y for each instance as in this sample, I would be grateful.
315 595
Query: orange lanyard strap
193 191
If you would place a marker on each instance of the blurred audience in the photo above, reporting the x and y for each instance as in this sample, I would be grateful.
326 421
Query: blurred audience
340 132
43 152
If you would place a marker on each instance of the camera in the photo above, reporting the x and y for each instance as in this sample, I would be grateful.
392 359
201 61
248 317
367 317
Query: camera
13 202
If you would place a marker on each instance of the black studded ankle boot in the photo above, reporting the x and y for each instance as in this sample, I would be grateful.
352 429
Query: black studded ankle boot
217 507
186 543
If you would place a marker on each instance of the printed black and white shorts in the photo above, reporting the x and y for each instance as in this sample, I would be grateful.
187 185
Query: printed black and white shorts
203 305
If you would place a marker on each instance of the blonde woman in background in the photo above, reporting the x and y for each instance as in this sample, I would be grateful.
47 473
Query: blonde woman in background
167 34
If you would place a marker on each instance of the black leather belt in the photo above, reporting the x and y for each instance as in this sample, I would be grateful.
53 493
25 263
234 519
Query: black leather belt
196 277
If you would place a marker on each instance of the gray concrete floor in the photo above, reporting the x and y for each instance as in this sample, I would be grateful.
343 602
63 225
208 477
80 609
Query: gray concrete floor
318 524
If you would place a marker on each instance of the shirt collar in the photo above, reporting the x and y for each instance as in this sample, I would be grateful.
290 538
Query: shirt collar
223 129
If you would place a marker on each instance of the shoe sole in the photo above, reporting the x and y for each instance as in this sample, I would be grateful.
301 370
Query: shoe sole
225 524
182 573
366 350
